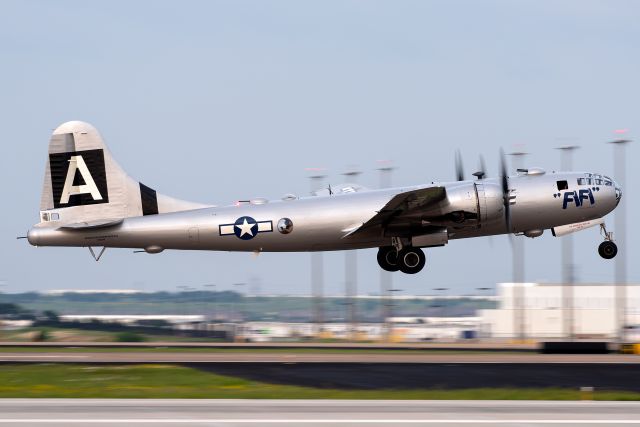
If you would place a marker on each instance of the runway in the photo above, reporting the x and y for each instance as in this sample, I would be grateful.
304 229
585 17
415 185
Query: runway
142 412
310 357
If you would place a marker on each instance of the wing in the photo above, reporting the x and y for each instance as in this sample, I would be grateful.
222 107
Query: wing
400 206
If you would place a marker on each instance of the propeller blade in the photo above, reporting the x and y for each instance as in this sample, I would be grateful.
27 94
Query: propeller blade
459 167
504 179
483 167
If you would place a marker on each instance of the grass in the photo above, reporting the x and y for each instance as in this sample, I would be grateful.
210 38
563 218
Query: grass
171 381
61 335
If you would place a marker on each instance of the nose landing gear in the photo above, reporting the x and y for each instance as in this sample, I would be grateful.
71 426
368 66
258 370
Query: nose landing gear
409 260
607 249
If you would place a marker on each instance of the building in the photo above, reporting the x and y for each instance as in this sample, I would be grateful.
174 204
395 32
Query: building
542 315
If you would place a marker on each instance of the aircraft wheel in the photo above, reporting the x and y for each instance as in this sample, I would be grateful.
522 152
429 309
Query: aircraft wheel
411 260
608 249
388 258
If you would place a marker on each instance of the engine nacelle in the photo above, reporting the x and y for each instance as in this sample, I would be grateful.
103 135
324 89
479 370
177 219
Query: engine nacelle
490 202
462 198
572 228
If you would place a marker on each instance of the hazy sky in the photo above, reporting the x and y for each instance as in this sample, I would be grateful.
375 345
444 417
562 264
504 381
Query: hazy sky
219 101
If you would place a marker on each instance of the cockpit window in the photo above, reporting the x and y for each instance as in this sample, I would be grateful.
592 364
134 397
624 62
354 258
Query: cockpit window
595 179
585 181
563 185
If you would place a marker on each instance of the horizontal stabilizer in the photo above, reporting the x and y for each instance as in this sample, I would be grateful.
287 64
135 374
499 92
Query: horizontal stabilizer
99 223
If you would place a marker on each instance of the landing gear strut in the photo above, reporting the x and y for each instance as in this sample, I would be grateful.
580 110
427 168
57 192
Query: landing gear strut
409 260
607 249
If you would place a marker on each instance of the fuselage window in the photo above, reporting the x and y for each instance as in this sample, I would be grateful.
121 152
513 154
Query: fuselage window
563 185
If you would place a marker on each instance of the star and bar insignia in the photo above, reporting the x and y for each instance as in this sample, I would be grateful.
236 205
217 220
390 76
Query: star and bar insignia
246 228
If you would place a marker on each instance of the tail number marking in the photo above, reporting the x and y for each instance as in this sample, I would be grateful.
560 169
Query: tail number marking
76 163
78 178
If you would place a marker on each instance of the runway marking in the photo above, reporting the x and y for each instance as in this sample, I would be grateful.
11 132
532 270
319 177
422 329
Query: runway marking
308 421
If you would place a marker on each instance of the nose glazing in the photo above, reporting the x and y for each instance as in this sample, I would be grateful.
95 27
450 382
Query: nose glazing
618 192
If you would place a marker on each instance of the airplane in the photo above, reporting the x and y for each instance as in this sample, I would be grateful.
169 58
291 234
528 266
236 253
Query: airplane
89 201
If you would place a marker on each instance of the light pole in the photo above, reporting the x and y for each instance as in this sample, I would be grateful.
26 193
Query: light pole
182 308
385 167
566 164
620 230
441 296
390 320
351 273
2 284
239 310
484 331
517 245
484 289
212 290
317 263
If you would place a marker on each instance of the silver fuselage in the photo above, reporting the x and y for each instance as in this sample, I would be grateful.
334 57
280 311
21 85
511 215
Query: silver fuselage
323 223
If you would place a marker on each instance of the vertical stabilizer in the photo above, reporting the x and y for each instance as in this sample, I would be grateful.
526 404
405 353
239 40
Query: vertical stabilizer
83 183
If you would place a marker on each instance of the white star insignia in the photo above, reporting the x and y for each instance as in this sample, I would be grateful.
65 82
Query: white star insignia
245 228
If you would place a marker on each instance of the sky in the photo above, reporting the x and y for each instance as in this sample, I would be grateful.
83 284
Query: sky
216 101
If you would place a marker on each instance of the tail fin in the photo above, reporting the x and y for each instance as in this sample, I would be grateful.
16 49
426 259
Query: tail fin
84 184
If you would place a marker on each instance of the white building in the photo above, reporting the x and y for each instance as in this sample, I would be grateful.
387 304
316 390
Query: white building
542 314
128 319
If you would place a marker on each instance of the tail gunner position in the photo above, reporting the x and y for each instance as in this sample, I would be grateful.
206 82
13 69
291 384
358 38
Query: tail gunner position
89 201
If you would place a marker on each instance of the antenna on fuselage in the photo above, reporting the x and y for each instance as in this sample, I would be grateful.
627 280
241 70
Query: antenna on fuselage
482 172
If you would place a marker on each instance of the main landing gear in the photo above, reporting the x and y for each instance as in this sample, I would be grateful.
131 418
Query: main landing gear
409 260
607 249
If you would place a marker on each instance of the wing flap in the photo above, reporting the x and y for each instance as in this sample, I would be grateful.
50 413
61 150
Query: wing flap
402 204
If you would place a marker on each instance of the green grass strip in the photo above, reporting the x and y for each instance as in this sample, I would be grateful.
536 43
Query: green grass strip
171 381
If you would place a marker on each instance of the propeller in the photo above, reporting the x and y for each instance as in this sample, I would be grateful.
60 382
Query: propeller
459 167
504 179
